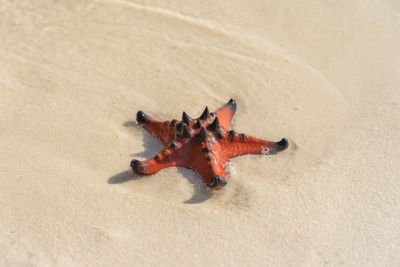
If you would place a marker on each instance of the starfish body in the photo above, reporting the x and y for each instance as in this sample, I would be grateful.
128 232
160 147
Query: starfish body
204 145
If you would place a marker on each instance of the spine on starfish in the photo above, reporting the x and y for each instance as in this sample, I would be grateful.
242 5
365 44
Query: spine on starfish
204 144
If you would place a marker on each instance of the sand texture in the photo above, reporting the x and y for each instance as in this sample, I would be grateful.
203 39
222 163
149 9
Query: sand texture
324 74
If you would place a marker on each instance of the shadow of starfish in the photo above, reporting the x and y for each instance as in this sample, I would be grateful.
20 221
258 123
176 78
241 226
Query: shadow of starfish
201 192
123 177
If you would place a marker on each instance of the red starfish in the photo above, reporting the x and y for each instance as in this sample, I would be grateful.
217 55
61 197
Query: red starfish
203 144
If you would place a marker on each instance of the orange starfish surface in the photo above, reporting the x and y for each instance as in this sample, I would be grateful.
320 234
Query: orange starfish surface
204 144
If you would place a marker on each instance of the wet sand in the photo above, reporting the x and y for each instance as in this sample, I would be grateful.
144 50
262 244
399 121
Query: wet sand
324 75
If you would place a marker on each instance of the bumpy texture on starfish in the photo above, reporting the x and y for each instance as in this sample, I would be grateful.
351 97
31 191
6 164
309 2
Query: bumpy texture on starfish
204 144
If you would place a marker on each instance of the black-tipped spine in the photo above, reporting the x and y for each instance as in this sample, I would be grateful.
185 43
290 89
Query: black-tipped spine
173 145
197 125
186 118
179 127
203 134
205 115
214 125
172 124
232 133
207 150
186 132
209 158
220 133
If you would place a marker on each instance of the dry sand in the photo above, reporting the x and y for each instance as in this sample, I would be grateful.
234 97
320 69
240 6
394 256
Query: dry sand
324 74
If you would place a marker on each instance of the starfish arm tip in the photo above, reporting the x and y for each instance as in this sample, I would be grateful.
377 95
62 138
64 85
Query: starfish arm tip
147 167
141 117
137 167
232 104
217 182
283 144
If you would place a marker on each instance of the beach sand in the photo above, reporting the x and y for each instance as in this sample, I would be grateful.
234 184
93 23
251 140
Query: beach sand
324 74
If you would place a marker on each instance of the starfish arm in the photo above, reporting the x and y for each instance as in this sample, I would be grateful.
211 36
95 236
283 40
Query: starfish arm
148 167
168 157
242 144
206 161
225 114
163 130
214 175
